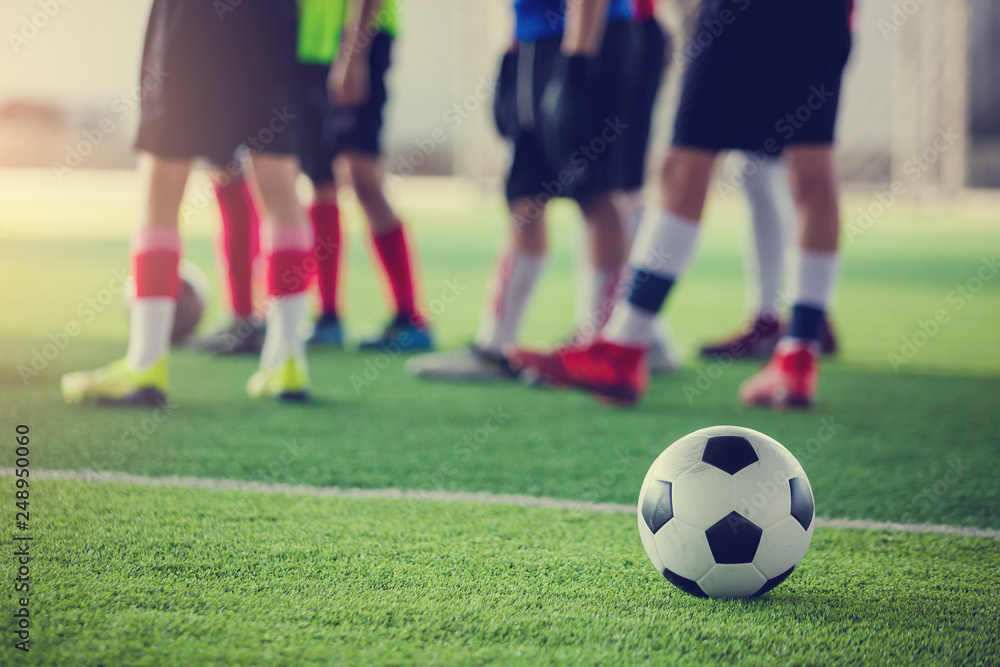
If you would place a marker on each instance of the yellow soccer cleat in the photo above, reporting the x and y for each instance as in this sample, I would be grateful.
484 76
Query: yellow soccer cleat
117 384
288 382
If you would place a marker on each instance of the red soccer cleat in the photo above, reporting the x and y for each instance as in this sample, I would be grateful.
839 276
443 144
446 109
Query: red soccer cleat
614 373
787 381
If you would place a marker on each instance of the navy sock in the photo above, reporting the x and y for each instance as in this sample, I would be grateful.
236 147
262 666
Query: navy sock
648 291
807 321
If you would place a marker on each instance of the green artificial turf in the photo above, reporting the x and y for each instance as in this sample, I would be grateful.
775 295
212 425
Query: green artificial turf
128 575
143 576
917 445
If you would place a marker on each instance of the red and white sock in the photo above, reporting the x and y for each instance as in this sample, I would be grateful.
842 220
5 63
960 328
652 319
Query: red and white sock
155 254
394 254
239 243
326 224
290 269
511 286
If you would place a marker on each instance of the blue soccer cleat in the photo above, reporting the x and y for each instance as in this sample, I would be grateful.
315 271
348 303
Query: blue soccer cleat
328 332
402 335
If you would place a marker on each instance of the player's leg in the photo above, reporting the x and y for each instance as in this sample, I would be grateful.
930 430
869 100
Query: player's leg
358 149
614 366
790 379
316 156
511 285
607 250
237 251
665 244
324 214
653 56
820 41
521 261
394 249
141 377
271 124
514 277
289 242
772 217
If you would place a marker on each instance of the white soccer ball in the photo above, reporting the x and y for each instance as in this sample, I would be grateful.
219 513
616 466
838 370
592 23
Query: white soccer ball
726 512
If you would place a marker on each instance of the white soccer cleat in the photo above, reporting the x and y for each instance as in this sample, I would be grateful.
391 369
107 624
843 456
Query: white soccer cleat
472 364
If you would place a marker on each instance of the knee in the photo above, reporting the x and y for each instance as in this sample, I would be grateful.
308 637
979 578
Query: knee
369 194
362 178
325 193
599 209
528 227
676 183
812 189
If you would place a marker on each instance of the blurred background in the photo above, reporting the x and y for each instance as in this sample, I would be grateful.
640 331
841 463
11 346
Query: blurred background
69 86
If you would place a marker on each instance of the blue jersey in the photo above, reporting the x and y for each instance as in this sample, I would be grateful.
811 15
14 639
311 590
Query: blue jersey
539 19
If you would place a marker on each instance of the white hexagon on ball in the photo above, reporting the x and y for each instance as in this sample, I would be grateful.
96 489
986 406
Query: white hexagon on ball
726 511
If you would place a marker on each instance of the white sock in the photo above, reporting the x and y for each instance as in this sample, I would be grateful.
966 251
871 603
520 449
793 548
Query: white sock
773 216
818 273
604 290
151 322
589 285
663 249
665 243
630 325
283 338
511 286
583 279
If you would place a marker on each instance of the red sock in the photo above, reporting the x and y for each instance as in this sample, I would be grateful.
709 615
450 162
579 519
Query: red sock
155 254
326 224
239 243
290 261
395 257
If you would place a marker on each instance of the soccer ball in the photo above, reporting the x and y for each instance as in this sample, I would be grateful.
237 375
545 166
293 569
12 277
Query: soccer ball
726 512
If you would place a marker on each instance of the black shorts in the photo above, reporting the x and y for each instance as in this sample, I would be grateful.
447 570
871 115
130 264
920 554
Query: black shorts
763 74
652 52
329 131
223 78
600 166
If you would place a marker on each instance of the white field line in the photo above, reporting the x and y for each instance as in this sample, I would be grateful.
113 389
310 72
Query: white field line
449 496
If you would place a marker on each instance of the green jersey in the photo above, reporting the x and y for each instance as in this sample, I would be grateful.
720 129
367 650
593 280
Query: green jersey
322 21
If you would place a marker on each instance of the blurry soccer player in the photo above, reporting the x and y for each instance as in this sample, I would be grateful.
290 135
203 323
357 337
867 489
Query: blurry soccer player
745 90
561 105
226 84
342 144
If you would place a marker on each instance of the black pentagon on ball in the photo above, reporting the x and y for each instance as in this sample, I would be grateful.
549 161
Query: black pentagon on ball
773 582
734 539
688 586
803 505
657 505
730 453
